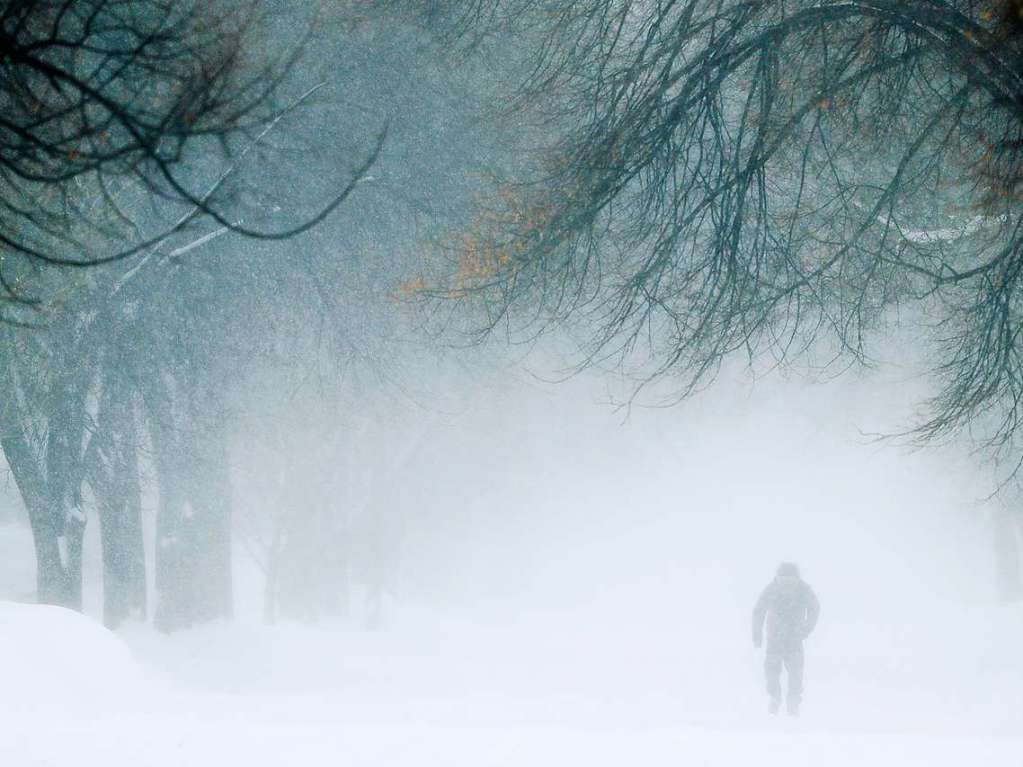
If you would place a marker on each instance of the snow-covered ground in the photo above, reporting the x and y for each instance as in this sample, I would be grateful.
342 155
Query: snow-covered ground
522 689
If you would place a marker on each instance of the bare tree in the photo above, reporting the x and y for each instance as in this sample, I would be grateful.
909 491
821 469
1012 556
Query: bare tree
766 178
107 105
123 124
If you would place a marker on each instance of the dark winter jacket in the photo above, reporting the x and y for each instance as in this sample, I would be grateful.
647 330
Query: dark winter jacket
791 610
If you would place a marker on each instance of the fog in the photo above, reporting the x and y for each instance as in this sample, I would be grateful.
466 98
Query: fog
566 557
534 570
549 494
509 383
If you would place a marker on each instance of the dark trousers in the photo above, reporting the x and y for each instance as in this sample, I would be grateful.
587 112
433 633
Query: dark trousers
791 657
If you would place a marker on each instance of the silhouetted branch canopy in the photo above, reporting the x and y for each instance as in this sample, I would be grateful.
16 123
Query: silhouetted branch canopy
764 177
109 105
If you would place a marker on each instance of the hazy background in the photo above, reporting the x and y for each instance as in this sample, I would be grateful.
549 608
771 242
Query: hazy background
484 558
571 580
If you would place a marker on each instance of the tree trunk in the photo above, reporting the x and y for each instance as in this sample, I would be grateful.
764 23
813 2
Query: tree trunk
193 525
55 583
210 523
64 472
112 466
124 560
271 586
69 545
1008 524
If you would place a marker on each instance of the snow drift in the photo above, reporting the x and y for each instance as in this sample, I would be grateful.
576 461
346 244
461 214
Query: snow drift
59 665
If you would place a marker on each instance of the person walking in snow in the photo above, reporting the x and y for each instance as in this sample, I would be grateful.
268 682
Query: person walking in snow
790 609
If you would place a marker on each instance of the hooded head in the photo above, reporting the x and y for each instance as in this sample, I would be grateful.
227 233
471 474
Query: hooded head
788 570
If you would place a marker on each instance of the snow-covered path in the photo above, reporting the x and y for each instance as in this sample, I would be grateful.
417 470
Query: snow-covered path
431 690
239 739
